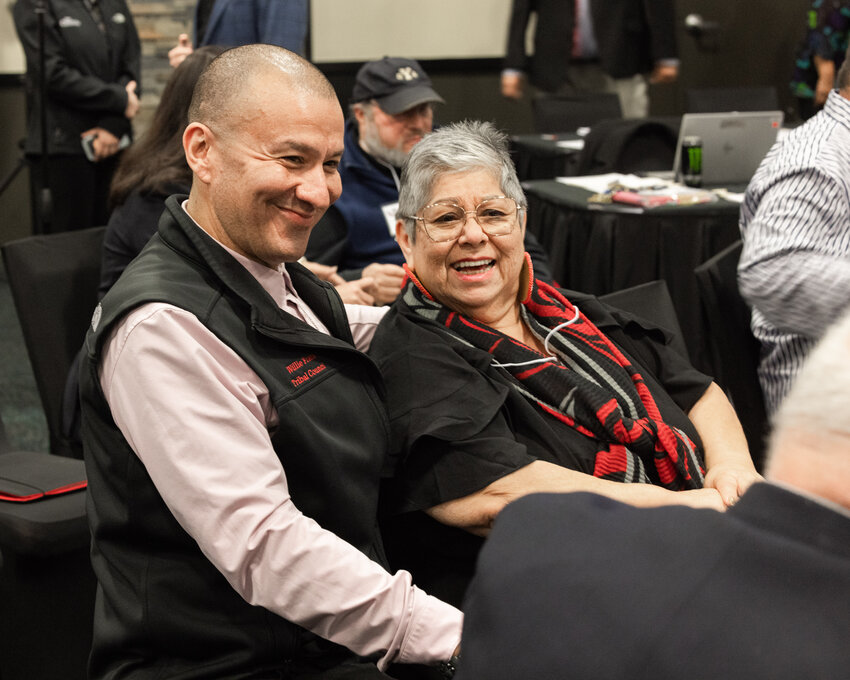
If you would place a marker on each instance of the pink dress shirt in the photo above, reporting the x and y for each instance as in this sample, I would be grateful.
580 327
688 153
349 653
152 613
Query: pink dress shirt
199 419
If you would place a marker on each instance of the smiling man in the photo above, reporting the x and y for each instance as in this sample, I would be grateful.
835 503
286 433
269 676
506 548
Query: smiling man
233 487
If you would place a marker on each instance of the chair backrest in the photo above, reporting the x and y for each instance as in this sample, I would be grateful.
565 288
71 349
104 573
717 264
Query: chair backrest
734 349
561 113
53 279
713 99
628 146
652 301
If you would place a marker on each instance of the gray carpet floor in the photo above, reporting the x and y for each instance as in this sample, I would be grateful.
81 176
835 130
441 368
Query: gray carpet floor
20 406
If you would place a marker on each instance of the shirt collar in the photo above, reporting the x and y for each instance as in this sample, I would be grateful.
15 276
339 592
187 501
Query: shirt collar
837 106
275 281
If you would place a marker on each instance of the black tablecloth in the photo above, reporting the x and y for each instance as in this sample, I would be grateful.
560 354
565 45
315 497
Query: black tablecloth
600 249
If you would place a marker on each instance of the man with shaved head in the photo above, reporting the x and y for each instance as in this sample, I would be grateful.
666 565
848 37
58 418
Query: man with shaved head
234 431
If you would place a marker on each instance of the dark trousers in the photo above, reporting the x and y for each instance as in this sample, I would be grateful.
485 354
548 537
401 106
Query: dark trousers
323 661
79 190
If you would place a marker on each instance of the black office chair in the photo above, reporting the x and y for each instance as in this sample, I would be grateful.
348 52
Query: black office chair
47 586
54 280
734 349
561 113
628 146
715 99
651 301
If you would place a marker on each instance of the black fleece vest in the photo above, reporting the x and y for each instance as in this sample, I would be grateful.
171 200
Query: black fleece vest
163 610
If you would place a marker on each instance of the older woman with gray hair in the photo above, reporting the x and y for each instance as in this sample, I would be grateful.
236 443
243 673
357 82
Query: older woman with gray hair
500 385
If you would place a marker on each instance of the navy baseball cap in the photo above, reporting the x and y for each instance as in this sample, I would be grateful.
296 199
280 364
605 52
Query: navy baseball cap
395 83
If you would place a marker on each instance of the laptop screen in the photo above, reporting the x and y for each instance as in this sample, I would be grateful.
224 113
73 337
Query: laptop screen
733 144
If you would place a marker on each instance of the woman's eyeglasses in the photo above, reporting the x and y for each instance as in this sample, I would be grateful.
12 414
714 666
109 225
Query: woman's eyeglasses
444 220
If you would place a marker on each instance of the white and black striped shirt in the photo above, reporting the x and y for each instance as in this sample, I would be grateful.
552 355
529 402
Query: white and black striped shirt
795 222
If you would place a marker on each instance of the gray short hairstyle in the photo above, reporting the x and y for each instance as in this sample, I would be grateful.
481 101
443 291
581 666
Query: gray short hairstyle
819 400
457 147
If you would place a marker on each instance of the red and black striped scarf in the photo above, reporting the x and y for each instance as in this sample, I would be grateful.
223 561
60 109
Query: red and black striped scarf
593 389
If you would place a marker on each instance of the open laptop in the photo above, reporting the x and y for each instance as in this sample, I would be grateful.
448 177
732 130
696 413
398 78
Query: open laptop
733 144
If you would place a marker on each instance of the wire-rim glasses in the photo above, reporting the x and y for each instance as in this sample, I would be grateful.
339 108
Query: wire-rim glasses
444 220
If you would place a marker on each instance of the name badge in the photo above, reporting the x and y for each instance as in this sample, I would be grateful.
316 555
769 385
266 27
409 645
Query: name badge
389 210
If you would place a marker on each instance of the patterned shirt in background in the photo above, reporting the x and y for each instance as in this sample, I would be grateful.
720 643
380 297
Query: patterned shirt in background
827 37
795 221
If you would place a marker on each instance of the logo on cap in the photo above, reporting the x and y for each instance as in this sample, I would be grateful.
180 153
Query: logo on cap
406 73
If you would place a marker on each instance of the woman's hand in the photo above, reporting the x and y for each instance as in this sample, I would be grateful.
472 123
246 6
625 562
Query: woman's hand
731 479
727 458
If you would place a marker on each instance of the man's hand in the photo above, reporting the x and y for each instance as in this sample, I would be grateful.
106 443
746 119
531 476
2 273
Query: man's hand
386 282
325 272
355 292
663 73
180 51
105 144
513 85
132 107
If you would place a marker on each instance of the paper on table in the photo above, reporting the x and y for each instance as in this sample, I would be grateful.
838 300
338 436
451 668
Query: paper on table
731 196
599 184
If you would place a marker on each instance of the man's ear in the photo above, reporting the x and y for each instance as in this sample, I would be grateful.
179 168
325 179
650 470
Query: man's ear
197 141
404 243
359 114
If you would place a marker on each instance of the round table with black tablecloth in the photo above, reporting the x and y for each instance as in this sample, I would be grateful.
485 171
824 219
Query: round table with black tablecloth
600 248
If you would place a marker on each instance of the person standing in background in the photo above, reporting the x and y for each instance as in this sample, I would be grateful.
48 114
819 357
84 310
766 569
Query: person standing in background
92 60
820 55
230 23
583 46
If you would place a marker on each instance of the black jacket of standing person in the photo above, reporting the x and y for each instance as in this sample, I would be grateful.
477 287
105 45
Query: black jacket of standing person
632 35
87 69
91 57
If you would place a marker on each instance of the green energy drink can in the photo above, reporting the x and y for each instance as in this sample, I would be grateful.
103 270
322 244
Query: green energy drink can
691 157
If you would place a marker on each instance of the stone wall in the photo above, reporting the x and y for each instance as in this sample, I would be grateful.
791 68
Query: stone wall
159 22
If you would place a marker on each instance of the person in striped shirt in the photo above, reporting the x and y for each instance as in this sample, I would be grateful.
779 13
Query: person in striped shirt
795 222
